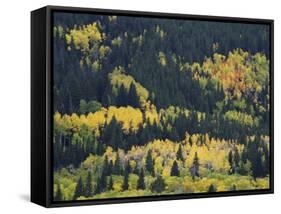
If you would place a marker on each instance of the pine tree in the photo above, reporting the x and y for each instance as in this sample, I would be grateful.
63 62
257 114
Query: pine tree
106 166
236 159
58 196
88 187
230 161
266 162
255 157
125 185
118 137
133 99
179 154
158 185
117 170
110 184
121 99
175 169
100 148
141 183
212 188
259 170
101 183
112 134
173 135
149 162
110 167
195 167
79 190
128 168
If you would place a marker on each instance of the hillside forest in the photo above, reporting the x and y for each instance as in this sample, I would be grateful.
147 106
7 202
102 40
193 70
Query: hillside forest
155 106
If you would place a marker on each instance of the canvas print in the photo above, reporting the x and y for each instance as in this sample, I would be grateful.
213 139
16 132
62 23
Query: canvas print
147 106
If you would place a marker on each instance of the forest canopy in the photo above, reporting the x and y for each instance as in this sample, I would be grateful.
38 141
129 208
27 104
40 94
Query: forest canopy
153 106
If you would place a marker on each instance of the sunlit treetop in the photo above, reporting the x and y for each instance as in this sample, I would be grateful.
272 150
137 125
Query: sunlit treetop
119 77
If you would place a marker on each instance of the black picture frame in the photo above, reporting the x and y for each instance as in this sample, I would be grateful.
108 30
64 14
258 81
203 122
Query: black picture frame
42 104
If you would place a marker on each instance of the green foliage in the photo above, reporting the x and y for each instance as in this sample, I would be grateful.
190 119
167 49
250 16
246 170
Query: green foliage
118 78
125 185
91 106
149 163
101 183
79 191
133 99
242 118
58 196
158 185
110 184
142 109
88 187
230 160
141 182
118 168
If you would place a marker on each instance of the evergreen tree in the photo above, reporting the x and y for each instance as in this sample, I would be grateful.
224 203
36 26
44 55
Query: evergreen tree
173 134
141 182
236 159
88 187
106 166
255 157
79 190
230 161
179 154
110 167
158 185
128 168
212 188
58 196
113 134
175 169
125 185
100 148
131 140
117 137
122 96
118 166
101 183
266 162
195 167
149 162
133 99
110 184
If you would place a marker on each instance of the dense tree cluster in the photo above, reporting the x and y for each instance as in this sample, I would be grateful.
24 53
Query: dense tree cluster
153 106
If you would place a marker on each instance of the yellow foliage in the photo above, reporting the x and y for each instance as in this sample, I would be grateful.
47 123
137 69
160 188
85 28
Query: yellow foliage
262 183
166 171
151 113
109 153
117 186
84 36
162 58
97 119
117 41
237 73
128 116
118 78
